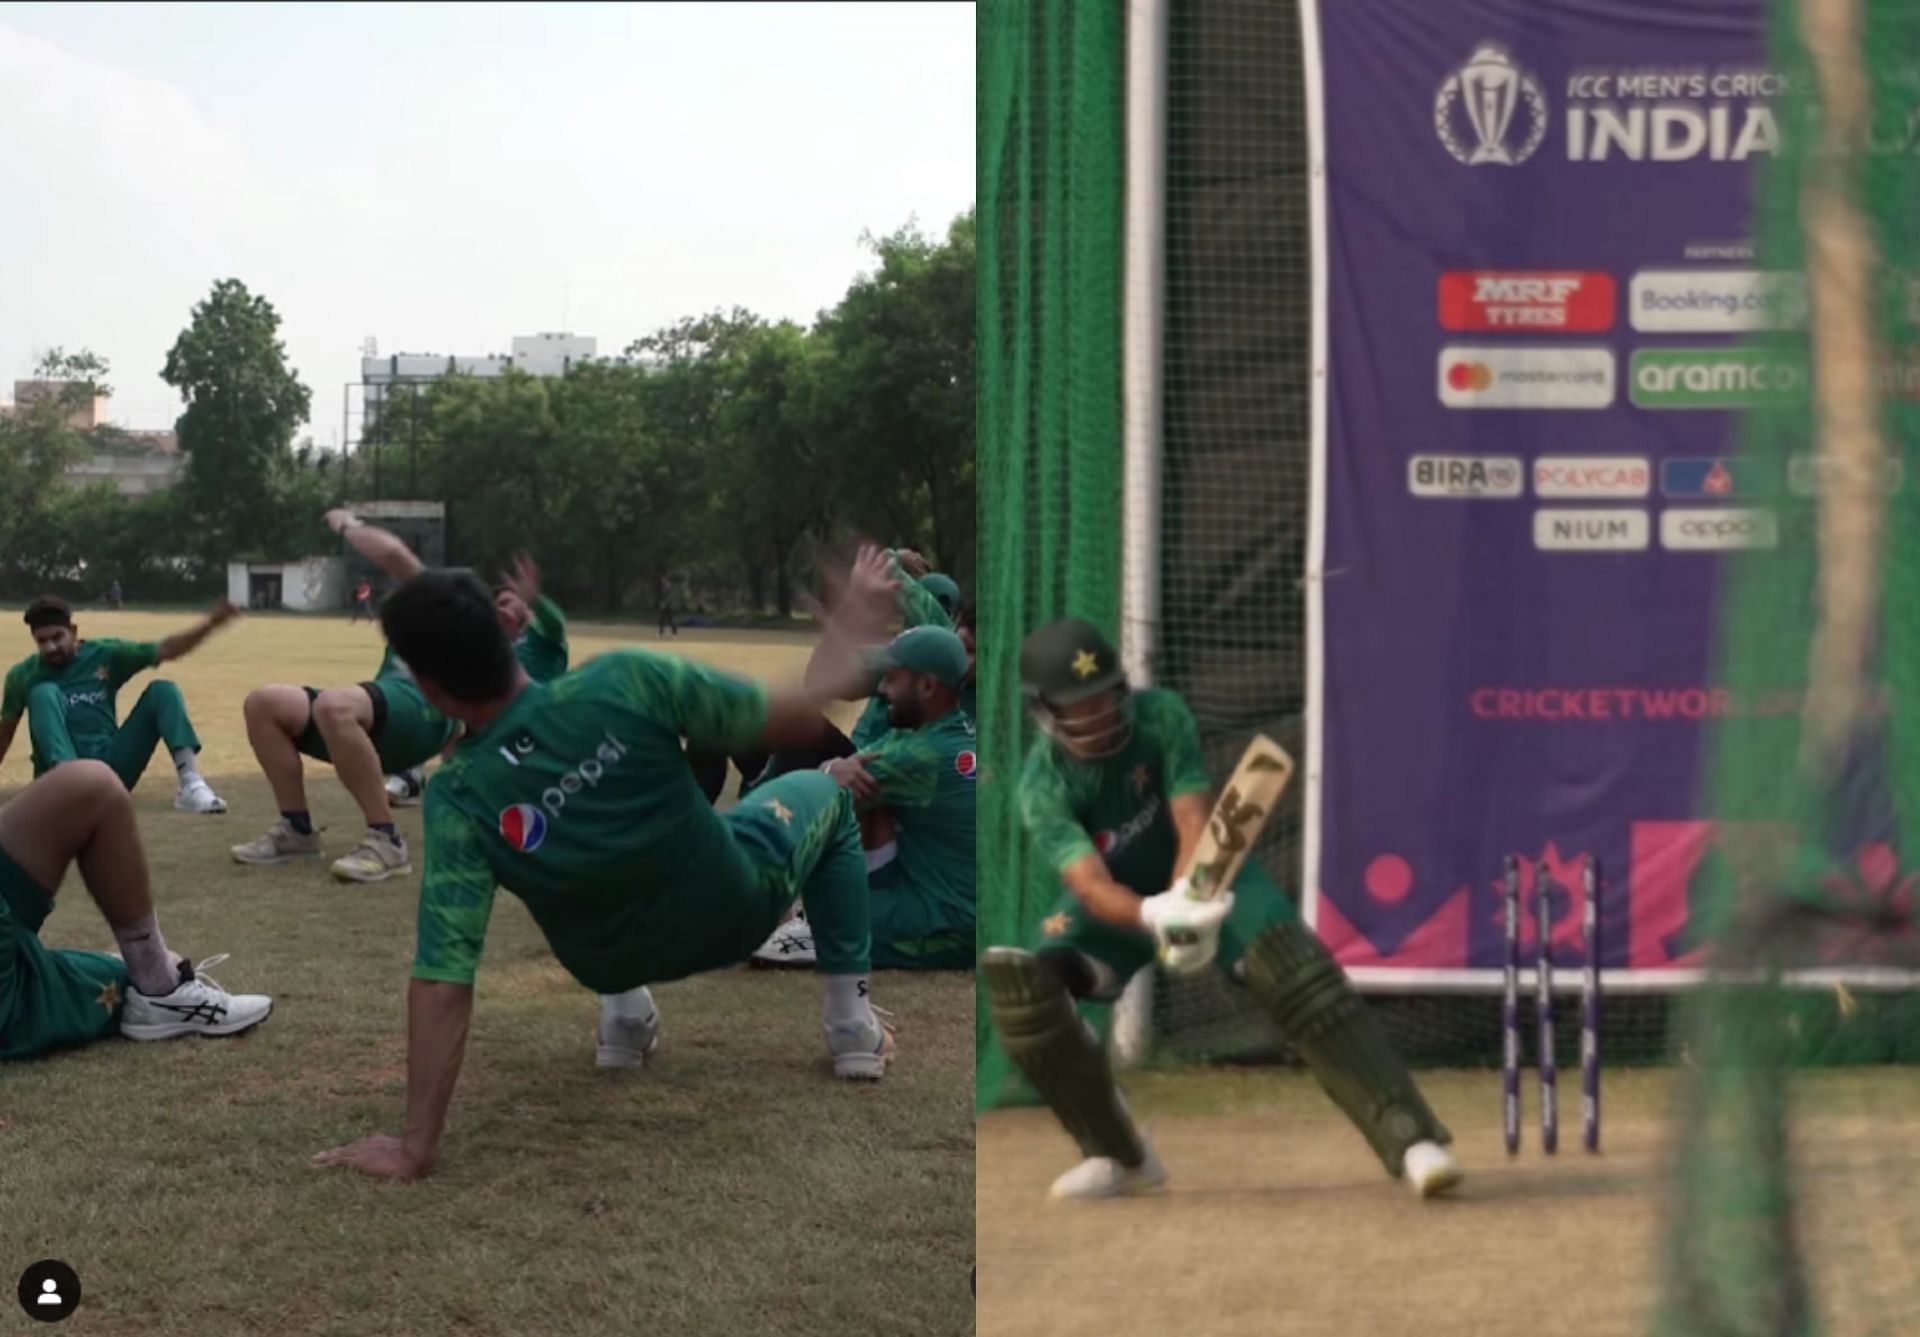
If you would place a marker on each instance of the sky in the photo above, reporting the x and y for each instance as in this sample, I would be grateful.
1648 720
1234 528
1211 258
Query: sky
443 177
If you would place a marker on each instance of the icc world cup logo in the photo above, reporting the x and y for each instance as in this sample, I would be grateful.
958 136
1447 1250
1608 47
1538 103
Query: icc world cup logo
1478 107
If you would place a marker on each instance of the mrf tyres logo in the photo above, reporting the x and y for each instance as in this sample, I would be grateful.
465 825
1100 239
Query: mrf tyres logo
524 825
1475 301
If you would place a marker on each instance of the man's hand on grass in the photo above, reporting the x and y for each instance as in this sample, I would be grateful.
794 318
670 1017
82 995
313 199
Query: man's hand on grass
382 1154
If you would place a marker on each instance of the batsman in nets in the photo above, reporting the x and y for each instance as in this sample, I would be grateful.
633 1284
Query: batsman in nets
1115 797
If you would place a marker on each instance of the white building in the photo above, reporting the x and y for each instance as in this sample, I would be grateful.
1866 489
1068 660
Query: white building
537 355
311 585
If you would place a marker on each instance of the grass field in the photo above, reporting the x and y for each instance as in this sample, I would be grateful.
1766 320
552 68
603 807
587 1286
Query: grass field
734 1187
1277 1221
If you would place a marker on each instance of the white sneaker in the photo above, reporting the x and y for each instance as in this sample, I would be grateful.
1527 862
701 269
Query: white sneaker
403 790
790 945
624 1041
862 1052
374 859
1430 1169
197 1006
280 844
196 795
1104 1177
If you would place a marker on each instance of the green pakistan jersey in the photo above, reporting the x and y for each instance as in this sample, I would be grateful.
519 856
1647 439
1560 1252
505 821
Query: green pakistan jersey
542 647
90 686
919 609
1117 806
926 778
578 799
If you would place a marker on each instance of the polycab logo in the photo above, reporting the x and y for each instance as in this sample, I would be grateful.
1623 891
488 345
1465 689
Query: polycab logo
1465 476
1559 476
1483 377
1527 301
1577 529
1718 530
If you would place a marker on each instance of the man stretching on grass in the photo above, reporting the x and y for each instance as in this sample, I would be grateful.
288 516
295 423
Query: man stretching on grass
67 694
574 796
51 997
538 630
381 727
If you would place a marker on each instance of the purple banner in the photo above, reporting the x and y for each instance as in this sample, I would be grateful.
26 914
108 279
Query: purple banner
1538 279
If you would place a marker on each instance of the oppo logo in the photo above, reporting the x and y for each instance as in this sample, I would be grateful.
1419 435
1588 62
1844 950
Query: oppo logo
1718 530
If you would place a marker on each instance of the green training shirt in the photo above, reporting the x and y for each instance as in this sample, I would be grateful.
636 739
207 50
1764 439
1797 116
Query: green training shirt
578 799
926 780
90 685
541 647
1117 807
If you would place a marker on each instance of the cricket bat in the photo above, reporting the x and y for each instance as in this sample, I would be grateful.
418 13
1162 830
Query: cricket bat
1238 817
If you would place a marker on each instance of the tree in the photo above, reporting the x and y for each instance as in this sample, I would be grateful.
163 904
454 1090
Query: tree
40 441
243 404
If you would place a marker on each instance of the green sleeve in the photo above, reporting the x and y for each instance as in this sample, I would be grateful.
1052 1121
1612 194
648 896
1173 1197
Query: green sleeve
126 658
1057 835
907 764
456 894
13 700
1166 719
549 623
917 604
710 709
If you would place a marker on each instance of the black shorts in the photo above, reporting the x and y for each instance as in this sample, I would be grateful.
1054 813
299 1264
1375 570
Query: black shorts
311 744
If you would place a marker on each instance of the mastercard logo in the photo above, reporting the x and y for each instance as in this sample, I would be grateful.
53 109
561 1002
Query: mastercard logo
1469 376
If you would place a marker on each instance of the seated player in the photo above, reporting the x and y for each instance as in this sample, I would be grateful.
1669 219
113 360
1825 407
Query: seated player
945 591
918 780
68 694
538 630
918 607
1115 796
963 623
380 727
573 796
53 997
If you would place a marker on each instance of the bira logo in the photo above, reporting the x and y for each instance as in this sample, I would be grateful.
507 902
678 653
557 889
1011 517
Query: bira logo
1526 301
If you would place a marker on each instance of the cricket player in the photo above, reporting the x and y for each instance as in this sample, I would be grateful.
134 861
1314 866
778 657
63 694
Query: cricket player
573 795
381 727
918 780
538 630
1115 796
68 694
80 813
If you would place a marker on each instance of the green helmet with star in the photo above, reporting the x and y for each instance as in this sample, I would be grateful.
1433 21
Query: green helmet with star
1071 677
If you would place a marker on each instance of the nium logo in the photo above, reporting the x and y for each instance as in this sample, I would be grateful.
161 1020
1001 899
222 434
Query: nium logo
1465 476
1713 378
1716 478
1483 377
1715 530
1580 530
1490 111
1556 476
1716 301
1811 475
1528 301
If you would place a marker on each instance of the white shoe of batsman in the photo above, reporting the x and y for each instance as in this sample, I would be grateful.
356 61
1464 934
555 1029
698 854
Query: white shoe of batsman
790 945
1104 1177
197 1006
624 1040
864 1051
1429 1169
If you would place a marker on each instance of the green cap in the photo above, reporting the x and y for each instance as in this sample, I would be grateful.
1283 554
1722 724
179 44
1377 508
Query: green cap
944 588
934 651
1068 661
